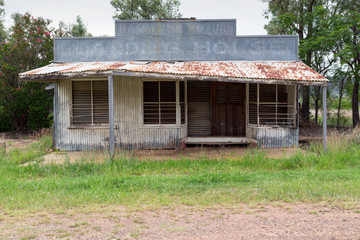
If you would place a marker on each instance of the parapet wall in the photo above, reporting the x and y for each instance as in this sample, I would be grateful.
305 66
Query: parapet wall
174 40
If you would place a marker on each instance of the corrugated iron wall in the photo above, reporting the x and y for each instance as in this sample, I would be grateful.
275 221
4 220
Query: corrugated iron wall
277 137
130 133
75 139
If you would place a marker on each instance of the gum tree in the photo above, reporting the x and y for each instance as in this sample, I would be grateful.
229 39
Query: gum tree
296 17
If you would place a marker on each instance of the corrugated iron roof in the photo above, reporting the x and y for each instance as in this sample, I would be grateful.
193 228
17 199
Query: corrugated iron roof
274 70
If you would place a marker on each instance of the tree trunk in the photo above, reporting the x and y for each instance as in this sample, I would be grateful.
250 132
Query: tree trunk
341 89
355 103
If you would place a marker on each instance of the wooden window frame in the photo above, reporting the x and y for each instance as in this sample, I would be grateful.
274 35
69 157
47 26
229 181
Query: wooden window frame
178 105
86 125
258 103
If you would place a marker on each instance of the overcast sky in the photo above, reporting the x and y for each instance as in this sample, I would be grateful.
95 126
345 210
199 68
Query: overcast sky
97 14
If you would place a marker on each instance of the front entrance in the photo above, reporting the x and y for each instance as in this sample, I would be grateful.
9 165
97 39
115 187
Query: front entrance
216 109
228 109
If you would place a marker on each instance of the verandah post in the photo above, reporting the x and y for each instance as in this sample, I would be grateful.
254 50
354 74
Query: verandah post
324 119
111 115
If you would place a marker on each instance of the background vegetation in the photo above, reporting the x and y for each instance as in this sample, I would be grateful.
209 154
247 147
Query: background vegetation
329 34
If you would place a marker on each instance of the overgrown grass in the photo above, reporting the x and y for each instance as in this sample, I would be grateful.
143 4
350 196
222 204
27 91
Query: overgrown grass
307 176
332 119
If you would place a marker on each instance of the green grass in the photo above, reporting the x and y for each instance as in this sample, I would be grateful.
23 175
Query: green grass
308 176
344 121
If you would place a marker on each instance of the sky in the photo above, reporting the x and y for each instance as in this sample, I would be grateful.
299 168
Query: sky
97 14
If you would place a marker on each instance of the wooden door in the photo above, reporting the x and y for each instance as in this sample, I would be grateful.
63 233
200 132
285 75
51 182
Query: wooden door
228 109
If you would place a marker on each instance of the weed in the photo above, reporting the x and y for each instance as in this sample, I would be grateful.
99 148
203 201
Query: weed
306 176
75 225
29 237
96 228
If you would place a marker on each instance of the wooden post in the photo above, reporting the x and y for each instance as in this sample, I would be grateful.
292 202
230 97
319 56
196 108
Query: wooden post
111 115
55 115
324 119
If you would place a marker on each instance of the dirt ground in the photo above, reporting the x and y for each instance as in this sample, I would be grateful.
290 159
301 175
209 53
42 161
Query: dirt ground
190 153
277 221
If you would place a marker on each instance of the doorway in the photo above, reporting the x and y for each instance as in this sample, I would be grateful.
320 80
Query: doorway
216 109
227 109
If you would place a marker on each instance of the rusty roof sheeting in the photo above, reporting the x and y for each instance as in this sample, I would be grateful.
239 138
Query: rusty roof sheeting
272 70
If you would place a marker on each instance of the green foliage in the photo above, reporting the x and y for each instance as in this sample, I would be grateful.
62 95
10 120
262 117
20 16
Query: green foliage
3 33
333 102
72 30
329 33
332 119
307 176
146 9
79 29
63 30
29 46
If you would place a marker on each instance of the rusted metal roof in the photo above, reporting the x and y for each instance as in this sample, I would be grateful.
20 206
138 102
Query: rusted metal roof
272 70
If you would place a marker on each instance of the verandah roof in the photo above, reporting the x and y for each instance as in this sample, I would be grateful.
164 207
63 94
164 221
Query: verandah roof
284 72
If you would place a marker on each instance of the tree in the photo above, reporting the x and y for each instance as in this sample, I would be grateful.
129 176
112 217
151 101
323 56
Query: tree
340 81
72 30
345 37
63 30
296 17
2 27
146 9
340 36
29 46
79 29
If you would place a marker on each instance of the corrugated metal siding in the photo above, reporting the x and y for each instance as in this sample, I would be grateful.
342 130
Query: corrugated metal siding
129 130
130 133
75 139
277 137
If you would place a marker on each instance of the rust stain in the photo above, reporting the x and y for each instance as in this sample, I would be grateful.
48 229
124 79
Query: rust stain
295 71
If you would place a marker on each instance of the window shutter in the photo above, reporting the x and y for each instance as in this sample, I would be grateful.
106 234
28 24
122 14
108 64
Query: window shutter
81 102
253 103
235 94
182 102
168 102
151 102
100 102
199 123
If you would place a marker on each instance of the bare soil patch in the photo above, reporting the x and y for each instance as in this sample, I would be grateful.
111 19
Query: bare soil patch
284 221
191 153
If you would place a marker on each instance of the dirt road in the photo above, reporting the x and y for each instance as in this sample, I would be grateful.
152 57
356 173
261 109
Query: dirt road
282 221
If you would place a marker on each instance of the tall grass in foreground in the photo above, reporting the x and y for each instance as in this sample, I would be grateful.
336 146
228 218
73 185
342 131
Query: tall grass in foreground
308 175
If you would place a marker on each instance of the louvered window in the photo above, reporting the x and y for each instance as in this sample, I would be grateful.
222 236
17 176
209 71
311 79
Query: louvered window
90 102
182 102
272 105
160 103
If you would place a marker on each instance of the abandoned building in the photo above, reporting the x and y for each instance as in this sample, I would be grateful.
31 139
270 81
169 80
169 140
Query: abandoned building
168 83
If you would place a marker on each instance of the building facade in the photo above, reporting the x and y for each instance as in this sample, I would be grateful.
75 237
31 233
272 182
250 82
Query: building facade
165 84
